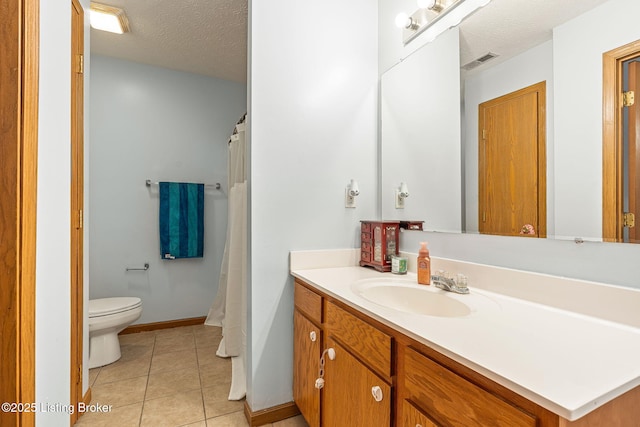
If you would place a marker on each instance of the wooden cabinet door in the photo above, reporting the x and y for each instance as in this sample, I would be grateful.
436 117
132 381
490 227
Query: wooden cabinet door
306 362
413 417
349 393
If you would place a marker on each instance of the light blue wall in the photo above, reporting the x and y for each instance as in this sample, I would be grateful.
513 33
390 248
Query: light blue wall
163 125
313 119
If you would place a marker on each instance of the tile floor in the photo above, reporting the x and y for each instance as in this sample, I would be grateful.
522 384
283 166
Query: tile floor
169 377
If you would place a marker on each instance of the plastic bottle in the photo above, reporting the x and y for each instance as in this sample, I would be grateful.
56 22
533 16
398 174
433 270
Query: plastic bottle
424 265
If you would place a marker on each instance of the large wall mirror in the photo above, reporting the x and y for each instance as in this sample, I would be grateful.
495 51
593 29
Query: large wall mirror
552 48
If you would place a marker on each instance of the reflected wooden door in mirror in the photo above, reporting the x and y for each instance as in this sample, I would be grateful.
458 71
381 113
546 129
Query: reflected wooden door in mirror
512 165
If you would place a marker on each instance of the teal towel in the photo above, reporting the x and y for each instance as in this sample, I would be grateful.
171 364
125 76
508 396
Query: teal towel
181 220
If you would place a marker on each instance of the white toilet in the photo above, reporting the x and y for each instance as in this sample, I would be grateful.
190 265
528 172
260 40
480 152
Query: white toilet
107 317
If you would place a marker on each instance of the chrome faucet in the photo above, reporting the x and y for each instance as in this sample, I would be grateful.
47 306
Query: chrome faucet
458 285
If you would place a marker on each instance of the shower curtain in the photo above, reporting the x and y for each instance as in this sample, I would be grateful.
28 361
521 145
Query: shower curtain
229 310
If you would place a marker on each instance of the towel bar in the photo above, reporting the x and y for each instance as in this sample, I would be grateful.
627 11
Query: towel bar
145 268
217 185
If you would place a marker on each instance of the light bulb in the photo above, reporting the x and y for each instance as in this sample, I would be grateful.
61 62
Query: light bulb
403 20
434 5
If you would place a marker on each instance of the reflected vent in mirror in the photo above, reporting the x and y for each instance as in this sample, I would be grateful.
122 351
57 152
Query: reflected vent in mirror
479 61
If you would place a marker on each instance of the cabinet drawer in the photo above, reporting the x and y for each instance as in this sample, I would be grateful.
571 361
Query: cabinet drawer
448 397
412 417
364 340
308 302
365 256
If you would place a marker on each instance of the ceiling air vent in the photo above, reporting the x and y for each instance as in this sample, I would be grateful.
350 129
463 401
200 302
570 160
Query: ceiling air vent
479 61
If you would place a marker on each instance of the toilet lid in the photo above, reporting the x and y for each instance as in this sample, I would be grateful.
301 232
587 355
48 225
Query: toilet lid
105 306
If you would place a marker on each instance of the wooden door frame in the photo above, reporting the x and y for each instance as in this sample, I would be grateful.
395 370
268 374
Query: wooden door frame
541 89
19 56
77 207
612 139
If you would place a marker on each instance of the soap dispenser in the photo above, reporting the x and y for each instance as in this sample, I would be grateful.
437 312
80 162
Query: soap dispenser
424 265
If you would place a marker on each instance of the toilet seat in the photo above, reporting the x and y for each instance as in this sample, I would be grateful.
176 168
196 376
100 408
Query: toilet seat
107 306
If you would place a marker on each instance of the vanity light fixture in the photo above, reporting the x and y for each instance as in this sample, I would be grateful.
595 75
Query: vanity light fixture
434 17
401 193
350 194
108 18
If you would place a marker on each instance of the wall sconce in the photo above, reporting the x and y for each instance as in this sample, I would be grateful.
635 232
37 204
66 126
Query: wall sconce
401 193
350 194
449 12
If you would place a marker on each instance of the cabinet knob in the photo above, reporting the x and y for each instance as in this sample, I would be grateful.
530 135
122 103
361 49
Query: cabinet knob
418 425
313 336
376 392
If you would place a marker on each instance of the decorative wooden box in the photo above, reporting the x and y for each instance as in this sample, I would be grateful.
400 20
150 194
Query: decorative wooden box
378 243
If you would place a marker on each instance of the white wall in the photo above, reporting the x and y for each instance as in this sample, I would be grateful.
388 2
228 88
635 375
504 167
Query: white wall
578 48
53 296
313 119
530 67
163 125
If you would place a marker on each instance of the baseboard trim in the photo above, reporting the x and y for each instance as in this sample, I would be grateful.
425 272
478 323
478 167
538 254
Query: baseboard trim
133 329
270 415
86 399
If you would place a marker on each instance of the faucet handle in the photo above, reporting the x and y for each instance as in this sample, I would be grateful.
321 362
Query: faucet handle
461 280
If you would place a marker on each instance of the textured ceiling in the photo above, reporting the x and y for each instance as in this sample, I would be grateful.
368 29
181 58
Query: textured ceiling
200 36
508 27
210 36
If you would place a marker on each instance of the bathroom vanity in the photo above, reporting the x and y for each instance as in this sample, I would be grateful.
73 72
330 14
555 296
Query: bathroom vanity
485 358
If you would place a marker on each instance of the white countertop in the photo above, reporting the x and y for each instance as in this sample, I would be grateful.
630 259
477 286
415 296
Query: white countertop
567 362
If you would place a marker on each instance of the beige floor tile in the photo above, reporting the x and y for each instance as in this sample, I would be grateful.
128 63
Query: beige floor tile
216 400
215 373
123 416
177 410
181 330
173 342
298 421
171 382
123 370
198 424
237 419
207 355
208 339
175 360
137 338
206 328
93 374
119 393
133 351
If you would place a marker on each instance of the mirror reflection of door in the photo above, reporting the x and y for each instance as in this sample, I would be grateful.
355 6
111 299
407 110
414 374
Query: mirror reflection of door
630 151
512 164
621 143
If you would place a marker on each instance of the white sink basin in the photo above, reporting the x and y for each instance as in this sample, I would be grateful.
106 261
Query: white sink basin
409 297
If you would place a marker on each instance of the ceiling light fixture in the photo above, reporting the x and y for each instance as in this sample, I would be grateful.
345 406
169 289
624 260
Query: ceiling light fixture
435 17
108 18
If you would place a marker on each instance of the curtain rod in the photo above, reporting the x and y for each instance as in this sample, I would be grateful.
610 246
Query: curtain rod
216 185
